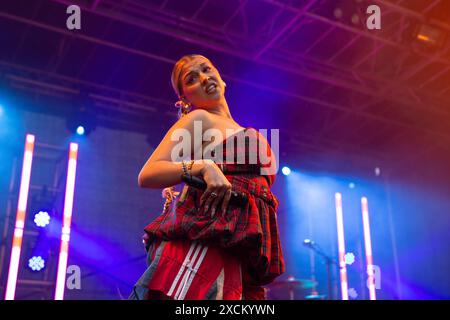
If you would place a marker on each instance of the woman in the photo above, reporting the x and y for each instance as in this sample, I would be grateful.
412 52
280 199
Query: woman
203 246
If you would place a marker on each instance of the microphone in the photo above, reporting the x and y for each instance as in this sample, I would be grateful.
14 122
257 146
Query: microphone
237 199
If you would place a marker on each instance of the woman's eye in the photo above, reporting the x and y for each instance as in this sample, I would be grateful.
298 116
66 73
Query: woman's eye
190 80
206 69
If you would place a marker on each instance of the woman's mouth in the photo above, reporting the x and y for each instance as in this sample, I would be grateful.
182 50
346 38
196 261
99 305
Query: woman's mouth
210 88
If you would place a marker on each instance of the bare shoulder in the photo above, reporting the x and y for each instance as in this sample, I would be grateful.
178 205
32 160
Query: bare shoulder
188 120
171 139
198 114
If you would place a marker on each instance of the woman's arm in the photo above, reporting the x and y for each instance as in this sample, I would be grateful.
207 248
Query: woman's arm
160 171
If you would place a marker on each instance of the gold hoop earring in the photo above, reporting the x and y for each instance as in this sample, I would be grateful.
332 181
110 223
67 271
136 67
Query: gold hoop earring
181 104
183 107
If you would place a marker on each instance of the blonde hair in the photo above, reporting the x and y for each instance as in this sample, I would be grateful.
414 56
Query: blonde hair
177 71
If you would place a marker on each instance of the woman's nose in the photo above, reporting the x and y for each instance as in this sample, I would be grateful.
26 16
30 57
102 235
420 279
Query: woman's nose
203 78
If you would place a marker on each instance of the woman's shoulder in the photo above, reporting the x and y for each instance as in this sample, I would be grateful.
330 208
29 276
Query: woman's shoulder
194 119
197 115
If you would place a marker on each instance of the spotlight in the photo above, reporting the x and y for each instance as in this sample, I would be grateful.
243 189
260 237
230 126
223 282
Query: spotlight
80 130
36 263
351 185
81 119
286 171
308 243
338 13
377 171
349 12
430 36
355 19
349 258
352 293
42 219
82 123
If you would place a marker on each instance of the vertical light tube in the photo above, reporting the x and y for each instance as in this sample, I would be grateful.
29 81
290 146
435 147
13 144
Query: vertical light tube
67 219
341 246
368 247
20 218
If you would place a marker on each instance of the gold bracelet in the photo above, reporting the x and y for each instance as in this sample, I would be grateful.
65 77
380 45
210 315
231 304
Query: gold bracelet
190 165
187 167
183 165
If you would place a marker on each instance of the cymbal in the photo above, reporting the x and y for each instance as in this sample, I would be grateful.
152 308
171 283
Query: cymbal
291 282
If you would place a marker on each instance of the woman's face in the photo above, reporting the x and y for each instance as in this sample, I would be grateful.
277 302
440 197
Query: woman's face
201 83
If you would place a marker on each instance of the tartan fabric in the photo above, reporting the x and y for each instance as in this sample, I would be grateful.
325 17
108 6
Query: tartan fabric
250 232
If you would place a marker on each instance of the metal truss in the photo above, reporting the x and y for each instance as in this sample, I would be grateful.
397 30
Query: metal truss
329 72
359 77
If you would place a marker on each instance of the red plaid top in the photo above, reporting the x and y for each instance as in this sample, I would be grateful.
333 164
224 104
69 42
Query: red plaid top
252 231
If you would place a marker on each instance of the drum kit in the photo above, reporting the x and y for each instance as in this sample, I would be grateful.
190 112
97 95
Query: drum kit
293 289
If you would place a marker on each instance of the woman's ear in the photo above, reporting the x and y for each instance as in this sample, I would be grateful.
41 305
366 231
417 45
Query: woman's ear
185 101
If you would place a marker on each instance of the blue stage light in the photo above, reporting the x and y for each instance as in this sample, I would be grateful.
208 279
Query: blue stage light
42 218
1 110
286 171
80 130
349 258
36 263
351 185
352 293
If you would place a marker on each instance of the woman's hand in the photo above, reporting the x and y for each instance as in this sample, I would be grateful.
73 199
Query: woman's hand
218 191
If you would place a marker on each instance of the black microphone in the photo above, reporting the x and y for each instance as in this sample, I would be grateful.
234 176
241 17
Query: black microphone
237 199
